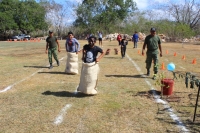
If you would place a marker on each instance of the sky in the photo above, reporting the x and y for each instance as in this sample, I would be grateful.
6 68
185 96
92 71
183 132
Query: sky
141 4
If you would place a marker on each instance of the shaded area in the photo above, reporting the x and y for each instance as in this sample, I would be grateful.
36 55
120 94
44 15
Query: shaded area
37 66
192 127
56 73
126 76
66 94
111 57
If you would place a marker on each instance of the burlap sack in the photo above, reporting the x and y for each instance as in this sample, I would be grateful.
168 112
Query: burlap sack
72 63
89 78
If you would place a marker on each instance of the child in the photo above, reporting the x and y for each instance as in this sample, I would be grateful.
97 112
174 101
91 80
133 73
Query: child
90 67
72 47
123 44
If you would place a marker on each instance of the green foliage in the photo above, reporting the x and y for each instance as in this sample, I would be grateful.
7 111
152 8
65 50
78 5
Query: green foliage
102 14
23 15
6 15
183 30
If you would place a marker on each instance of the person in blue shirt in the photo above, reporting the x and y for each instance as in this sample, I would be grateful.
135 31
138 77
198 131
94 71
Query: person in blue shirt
135 39
72 45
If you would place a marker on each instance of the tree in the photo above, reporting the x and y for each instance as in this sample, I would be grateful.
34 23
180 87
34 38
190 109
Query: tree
57 15
23 15
6 16
95 15
187 12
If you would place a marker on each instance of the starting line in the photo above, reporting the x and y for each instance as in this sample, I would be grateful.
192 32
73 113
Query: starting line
158 100
11 86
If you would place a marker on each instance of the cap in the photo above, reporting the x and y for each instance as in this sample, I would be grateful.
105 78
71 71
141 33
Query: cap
50 31
153 29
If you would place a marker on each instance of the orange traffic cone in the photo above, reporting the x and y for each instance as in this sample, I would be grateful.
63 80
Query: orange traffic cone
138 51
183 58
163 66
194 61
175 54
166 51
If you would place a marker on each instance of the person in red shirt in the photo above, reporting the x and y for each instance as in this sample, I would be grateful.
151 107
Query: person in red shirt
119 38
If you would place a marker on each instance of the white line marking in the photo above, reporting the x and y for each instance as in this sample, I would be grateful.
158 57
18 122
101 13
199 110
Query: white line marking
10 86
181 67
158 100
8 46
59 118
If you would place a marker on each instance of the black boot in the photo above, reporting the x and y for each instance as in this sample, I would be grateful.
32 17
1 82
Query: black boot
148 72
51 66
58 63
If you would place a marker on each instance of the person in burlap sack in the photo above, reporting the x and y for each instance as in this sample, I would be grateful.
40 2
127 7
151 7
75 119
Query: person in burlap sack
72 47
90 67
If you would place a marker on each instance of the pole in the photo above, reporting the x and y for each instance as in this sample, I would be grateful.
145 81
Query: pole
196 104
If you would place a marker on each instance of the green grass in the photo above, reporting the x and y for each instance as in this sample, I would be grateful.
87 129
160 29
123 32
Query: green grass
122 104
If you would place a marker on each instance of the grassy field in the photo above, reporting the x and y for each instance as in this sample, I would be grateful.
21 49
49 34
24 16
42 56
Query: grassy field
36 96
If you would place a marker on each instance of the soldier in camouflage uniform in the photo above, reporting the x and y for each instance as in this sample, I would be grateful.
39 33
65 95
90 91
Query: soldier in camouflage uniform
51 46
153 43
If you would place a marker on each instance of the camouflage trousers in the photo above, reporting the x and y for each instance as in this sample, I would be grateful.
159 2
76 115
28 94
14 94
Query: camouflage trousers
152 57
52 51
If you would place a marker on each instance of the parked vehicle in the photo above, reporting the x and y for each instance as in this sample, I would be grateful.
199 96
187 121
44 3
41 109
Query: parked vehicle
21 37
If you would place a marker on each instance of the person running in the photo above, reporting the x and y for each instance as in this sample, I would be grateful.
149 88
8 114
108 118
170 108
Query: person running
100 38
123 44
135 39
119 38
52 45
153 43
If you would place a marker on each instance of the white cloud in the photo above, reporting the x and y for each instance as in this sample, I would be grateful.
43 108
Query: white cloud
142 4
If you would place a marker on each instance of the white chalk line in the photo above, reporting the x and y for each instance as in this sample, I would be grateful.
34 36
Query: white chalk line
8 46
158 100
11 86
60 117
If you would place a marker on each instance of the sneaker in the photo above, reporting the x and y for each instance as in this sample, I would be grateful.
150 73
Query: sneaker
50 67
58 63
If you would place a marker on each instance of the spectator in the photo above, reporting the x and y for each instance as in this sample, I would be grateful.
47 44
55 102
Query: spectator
100 38
119 38
135 39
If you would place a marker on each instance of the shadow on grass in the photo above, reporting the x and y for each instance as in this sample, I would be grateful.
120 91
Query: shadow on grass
193 127
111 57
66 94
126 76
56 73
148 93
37 66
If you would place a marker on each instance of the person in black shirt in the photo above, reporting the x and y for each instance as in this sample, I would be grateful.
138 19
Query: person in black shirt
123 44
90 51
52 45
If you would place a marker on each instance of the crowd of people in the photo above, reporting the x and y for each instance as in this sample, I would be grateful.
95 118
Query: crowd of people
90 51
